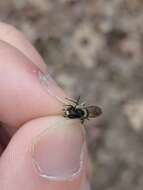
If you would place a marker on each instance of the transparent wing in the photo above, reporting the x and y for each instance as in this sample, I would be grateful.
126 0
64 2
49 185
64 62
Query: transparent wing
46 81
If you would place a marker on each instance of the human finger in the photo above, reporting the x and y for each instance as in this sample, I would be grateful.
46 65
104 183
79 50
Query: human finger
17 39
46 153
25 92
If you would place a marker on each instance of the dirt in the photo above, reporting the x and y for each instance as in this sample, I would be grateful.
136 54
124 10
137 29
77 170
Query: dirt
95 49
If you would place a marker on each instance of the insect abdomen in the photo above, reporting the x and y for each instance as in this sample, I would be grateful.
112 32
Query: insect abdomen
94 111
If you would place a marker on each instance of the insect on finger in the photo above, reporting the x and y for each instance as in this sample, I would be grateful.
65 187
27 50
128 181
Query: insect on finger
76 111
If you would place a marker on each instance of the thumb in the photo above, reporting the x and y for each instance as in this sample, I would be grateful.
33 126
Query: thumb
46 153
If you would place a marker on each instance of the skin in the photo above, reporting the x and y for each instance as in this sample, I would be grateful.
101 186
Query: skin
25 110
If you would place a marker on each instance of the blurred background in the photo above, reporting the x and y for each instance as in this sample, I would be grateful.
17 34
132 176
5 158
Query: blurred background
94 48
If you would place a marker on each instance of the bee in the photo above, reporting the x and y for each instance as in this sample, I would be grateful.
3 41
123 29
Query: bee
78 110
74 110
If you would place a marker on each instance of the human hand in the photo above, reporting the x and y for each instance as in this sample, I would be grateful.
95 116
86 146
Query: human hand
46 151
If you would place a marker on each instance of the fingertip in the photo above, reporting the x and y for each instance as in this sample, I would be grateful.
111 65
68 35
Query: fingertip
59 162
23 95
64 135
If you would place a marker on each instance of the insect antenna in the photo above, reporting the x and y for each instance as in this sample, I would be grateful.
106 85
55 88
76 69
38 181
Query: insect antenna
71 100
78 99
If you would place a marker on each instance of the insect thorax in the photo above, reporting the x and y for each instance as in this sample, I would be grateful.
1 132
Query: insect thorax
76 112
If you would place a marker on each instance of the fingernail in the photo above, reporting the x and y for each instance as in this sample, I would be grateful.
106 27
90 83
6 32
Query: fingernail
86 185
58 152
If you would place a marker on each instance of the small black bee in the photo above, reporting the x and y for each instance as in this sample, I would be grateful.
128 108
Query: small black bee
75 110
81 111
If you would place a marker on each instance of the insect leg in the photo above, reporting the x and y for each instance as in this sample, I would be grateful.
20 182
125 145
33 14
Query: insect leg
82 120
83 104
77 102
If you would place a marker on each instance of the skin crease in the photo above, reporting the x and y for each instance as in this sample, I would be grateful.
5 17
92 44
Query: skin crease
25 108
